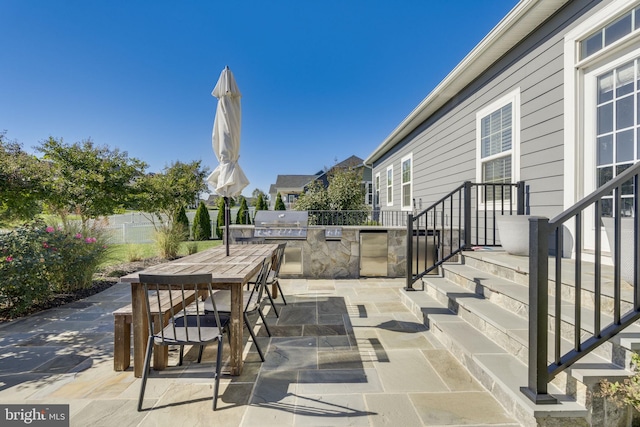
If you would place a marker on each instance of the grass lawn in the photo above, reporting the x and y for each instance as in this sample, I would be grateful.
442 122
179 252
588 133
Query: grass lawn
137 251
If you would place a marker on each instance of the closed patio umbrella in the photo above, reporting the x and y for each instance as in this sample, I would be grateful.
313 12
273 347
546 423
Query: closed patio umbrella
227 179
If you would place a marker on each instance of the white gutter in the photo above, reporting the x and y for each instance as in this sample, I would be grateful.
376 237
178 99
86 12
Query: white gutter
525 17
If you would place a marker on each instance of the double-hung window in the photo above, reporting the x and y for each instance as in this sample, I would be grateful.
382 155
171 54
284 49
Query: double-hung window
497 135
407 178
390 186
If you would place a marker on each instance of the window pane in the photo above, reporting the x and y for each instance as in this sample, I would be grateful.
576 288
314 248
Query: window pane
506 140
389 198
605 175
627 186
406 195
607 207
605 150
638 144
497 170
617 30
389 177
624 112
605 88
624 79
624 146
627 206
591 45
406 171
605 118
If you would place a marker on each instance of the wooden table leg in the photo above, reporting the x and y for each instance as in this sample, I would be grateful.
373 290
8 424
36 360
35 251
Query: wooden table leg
236 330
140 327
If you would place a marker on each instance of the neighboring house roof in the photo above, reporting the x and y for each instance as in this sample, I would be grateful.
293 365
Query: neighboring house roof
525 17
293 181
351 162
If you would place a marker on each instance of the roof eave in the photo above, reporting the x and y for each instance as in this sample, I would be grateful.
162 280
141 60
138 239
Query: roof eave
525 17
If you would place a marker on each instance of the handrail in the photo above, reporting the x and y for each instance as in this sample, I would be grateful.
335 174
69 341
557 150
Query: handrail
434 226
541 372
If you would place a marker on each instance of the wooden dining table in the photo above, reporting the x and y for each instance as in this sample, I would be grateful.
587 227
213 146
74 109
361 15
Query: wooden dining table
228 272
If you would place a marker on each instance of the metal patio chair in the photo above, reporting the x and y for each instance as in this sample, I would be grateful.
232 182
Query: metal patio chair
252 302
188 324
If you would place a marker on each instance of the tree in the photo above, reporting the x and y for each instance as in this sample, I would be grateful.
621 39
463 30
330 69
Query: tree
344 193
163 194
257 194
202 223
242 216
314 198
182 222
22 182
279 204
87 179
220 220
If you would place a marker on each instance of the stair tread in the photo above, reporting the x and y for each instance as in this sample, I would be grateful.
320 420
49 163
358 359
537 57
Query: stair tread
495 283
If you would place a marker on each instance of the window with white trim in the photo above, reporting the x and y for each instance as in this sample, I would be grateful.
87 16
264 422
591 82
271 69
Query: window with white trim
390 186
497 149
406 179
377 196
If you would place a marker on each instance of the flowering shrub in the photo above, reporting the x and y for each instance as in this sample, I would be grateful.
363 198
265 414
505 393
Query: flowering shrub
37 261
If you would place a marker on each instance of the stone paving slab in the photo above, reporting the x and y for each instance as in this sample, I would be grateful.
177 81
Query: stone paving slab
343 352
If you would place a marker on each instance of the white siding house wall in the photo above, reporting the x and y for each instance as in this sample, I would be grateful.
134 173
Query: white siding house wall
444 146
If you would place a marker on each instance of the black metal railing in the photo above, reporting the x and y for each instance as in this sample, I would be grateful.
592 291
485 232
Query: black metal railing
369 217
610 195
464 218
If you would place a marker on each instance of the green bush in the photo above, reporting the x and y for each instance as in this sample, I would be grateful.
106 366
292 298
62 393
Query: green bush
220 219
279 206
243 213
202 223
37 261
181 221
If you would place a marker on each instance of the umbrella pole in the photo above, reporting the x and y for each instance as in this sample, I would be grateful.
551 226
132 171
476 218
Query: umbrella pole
227 215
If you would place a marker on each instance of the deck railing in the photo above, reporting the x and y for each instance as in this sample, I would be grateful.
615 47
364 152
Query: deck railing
464 218
589 211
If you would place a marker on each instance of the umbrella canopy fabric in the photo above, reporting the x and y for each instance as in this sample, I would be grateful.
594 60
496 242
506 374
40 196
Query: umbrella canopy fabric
228 179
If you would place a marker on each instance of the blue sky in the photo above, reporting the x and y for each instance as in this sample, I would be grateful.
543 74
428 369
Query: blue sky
321 80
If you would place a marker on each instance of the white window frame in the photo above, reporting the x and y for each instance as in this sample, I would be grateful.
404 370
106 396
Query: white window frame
408 207
376 196
389 185
578 77
512 98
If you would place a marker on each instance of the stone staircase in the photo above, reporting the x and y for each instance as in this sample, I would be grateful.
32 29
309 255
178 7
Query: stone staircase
478 309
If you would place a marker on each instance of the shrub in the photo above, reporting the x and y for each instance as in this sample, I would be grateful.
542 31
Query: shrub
279 206
168 239
192 248
134 253
220 219
181 221
243 213
202 223
626 392
37 261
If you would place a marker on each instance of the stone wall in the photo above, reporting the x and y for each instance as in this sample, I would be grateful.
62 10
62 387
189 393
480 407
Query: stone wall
337 259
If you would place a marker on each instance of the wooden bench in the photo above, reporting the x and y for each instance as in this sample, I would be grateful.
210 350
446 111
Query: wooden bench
123 317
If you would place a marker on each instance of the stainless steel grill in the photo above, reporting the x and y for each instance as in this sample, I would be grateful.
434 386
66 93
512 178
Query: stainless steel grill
281 224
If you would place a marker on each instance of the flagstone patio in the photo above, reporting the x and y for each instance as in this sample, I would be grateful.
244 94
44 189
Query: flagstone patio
343 353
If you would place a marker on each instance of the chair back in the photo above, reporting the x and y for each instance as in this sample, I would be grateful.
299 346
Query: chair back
258 289
279 258
183 323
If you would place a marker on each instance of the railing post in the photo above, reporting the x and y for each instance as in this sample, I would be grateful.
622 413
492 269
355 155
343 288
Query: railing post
520 200
409 286
538 312
467 215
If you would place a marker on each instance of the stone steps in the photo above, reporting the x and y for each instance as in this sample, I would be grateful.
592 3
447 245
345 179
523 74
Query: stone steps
479 311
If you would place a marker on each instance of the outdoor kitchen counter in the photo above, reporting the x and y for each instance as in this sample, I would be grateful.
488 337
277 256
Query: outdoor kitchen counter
229 272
